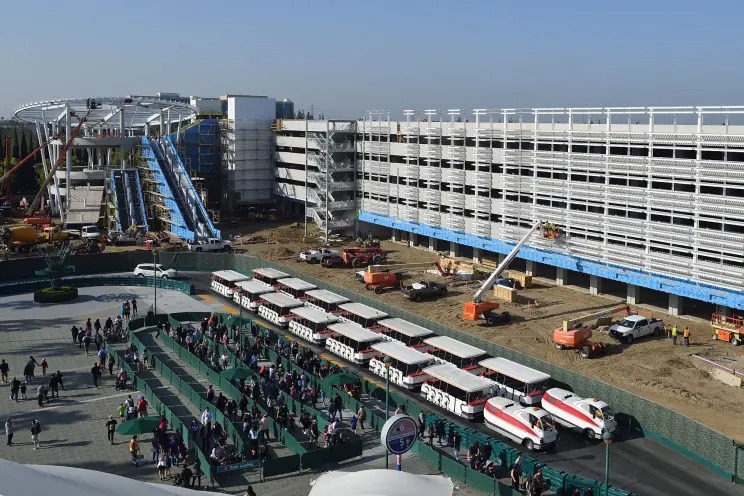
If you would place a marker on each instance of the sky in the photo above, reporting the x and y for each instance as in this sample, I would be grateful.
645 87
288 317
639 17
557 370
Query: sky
347 57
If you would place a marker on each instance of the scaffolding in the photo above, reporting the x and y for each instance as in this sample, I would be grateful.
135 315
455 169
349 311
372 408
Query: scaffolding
247 163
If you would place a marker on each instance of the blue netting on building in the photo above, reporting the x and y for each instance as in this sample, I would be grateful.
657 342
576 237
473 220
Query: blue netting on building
199 147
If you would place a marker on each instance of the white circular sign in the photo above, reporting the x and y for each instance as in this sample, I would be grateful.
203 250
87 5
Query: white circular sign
399 433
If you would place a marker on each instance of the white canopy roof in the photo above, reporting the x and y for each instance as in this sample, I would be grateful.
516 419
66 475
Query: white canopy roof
355 332
270 273
362 310
326 296
404 327
402 352
457 377
28 480
254 287
230 275
296 284
454 346
514 369
314 315
281 300
380 482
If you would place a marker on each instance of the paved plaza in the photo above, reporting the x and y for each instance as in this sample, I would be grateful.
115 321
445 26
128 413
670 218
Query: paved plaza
73 426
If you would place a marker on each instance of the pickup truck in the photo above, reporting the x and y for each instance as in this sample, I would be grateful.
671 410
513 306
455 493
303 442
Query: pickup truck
317 256
636 326
211 244
424 289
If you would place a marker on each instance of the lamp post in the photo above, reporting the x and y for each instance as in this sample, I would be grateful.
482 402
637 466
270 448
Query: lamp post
155 279
607 438
387 362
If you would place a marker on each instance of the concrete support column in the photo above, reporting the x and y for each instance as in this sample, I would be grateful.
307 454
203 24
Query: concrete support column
395 236
68 160
413 239
502 257
121 132
674 305
432 244
560 276
724 310
633 292
476 255
595 285
454 249
529 268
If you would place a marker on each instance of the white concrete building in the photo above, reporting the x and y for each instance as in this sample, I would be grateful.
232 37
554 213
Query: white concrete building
651 197
315 166
247 149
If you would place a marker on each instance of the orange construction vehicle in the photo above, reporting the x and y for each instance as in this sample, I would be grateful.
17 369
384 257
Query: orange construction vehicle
729 329
21 239
574 335
380 281
474 310
359 257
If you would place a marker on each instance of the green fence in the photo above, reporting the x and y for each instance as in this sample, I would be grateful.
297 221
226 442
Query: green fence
687 436
636 414
31 285
175 423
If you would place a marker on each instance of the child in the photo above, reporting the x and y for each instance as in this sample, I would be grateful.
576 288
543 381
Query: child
121 410
353 423
44 366
23 391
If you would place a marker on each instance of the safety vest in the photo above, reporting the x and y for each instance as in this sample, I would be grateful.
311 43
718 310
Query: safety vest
686 332
674 331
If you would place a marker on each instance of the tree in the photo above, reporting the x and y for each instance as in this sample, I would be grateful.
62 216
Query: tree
40 176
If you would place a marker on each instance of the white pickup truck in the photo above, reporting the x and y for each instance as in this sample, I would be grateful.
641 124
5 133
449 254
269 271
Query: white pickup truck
636 326
211 244
317 256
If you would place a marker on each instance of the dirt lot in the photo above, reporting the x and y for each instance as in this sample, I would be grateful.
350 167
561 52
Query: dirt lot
651 367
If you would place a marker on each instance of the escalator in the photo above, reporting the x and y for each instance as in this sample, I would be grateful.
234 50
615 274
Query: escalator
120 200
128 198
177 217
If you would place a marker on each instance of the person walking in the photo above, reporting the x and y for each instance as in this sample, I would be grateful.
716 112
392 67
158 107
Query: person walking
74 331
102 356
674 335
4 369
134 449
134 307
456 442
686 336
35 431
15 386
96 372
9 428
111 364
28 370
361 416
40 394
431 433
439 427
111 429
44 366
538 483
422 424
514 474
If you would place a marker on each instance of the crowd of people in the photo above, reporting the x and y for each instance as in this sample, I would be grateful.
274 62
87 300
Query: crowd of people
19 389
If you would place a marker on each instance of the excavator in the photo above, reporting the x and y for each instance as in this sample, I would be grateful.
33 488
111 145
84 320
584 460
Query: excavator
574 335
476 309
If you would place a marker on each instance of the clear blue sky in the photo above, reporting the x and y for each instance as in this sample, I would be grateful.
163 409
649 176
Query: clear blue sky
345 57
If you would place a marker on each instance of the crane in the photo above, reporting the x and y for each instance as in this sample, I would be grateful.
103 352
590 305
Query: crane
34 204
6 176
473 310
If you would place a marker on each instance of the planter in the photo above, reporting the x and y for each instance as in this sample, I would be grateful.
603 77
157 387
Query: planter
60 295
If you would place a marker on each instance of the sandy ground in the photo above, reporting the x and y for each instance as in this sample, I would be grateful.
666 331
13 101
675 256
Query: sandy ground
650 367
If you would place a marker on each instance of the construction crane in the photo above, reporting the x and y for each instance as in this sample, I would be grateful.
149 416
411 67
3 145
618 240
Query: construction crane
35 204
6 177
473 310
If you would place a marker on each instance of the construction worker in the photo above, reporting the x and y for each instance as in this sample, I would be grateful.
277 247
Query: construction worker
674 334
686 336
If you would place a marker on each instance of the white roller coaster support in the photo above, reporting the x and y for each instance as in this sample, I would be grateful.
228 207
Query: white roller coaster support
512 254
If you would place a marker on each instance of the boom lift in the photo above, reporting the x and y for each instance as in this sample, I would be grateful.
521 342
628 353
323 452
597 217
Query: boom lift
576 336
473 310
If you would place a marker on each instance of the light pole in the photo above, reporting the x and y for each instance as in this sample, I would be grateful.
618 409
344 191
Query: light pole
387 362
607 438
155 279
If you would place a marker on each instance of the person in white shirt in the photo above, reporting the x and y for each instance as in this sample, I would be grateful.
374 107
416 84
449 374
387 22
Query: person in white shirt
206 416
